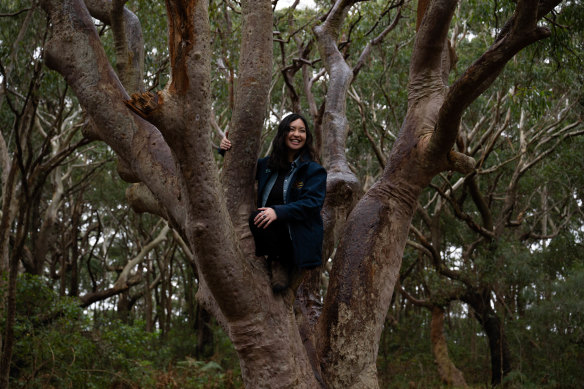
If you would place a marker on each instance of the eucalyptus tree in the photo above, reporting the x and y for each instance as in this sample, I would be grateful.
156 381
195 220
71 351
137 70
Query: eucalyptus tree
39 138
509 205
47 227
478 265
163 142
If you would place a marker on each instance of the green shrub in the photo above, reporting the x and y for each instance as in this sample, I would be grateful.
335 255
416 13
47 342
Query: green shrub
58 345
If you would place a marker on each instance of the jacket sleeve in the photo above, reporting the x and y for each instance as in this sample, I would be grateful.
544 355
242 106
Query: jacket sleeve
310 199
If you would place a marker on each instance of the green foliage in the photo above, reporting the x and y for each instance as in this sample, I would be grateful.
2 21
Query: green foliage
549 337
404 354
58 345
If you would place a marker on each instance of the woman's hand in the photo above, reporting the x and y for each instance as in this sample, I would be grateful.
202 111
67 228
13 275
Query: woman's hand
265 217
225 143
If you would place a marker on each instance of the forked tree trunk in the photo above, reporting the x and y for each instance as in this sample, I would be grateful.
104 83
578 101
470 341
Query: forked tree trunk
168 149
261 325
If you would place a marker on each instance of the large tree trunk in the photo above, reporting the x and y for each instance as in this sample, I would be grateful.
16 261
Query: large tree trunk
166 148
262 326
369 255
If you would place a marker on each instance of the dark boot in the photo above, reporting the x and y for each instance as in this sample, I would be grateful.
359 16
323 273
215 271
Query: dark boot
280 273
296 278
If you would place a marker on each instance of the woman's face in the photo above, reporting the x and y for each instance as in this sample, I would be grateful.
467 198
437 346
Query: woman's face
296 137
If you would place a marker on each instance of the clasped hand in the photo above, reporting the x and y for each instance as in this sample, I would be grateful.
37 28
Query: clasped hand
265 217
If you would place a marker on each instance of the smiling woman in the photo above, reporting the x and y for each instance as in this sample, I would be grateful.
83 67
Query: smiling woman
296 138
287 226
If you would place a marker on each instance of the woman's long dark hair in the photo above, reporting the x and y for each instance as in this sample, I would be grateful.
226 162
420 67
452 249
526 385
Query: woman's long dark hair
279 156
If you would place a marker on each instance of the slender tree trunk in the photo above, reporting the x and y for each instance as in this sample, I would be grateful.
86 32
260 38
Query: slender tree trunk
205 340
124 307
148 302
449 373
493 327
8 335
74 237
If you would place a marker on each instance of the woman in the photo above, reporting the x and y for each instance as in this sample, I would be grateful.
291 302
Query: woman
287 226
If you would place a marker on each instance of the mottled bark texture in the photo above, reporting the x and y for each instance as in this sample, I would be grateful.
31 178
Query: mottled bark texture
166 150
369 253
129 43
251 99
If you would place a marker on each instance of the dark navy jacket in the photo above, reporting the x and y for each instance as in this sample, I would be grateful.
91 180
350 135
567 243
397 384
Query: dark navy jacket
303 201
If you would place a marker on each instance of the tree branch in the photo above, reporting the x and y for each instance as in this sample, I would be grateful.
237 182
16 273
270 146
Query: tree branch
129 42
122 280
483 72
97 87
430 41
375 42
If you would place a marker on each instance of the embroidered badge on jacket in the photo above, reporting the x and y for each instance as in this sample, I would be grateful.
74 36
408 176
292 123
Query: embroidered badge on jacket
299 184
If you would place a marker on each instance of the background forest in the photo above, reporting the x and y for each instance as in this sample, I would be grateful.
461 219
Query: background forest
105 296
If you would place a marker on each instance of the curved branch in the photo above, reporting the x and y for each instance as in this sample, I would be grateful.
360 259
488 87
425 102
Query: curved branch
342 184
129 42
93 297
460 162
464 216
97 87
142 200
480 202
483 72
375 42
415 301
124 275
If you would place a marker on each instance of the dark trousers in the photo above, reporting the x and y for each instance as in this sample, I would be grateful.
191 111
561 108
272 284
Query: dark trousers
273 241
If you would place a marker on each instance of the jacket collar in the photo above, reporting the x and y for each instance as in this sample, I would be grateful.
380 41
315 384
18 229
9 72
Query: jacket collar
302 159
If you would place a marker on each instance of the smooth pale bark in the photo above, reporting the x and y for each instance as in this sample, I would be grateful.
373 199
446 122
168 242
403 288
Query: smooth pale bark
125 274
343 187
